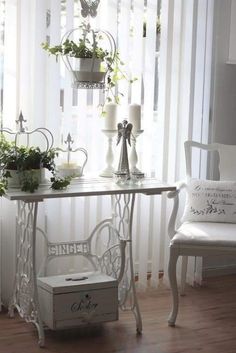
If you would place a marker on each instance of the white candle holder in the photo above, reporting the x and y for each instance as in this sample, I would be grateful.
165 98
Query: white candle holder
68 169
109 170
133 157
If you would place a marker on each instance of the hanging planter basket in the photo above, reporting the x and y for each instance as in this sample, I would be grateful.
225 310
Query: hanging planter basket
87 71
88 55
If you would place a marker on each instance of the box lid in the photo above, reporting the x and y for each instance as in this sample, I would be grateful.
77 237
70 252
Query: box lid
76 282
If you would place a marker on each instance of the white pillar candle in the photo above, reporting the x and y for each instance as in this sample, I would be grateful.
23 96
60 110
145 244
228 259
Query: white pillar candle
135 116
110 117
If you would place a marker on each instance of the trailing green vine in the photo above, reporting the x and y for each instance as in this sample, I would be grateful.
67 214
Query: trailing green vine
3 186
59 183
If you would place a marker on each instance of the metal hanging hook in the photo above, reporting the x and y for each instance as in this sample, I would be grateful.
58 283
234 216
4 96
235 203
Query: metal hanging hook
89 7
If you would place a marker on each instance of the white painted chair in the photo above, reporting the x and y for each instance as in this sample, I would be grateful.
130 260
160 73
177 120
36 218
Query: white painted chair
199 238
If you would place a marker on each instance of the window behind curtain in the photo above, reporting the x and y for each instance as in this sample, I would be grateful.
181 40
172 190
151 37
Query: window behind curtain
135 27
178 75
39 86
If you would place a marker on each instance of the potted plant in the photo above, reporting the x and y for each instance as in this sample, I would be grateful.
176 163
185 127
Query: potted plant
22 167
86 60
90 63
86 57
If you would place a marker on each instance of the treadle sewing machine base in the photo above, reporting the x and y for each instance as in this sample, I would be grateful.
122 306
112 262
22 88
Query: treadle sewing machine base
117 279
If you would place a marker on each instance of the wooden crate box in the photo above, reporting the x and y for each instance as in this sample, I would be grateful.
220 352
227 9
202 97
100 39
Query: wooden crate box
73 300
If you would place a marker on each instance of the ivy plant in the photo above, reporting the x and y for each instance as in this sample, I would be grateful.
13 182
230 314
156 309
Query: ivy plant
82 50
3 186
88 47
26 160
60 183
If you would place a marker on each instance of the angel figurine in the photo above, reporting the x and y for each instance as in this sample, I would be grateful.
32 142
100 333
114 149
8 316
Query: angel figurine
124 133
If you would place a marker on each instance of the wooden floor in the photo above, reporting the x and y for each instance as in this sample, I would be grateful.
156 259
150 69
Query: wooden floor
206 323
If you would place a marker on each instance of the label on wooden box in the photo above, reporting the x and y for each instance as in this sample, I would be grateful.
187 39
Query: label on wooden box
78 299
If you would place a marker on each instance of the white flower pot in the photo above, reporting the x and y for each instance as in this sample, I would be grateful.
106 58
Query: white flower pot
17 177
35 174
14 180
87 64
87 70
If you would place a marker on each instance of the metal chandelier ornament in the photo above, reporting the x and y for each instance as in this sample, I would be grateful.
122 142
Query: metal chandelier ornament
23 131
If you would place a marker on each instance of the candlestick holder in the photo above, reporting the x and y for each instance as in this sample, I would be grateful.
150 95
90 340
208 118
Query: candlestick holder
69 168
109 170
133 157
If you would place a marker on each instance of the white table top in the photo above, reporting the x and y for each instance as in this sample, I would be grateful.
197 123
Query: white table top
91 187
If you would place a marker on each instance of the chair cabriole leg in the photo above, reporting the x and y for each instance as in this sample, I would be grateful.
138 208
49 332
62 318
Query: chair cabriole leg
183 274
173 284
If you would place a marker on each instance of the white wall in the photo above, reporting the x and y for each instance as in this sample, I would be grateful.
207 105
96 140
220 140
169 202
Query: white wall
224 79
223 108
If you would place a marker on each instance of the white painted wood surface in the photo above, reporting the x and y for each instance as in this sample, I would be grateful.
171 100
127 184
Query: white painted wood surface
85 281
68 303
91 187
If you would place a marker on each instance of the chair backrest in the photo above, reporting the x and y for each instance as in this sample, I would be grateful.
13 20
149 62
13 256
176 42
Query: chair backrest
226 153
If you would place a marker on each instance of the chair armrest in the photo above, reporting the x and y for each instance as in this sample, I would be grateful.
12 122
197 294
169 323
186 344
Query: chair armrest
175 196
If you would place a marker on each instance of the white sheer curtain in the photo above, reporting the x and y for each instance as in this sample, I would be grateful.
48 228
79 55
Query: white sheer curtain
184 101
35 84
